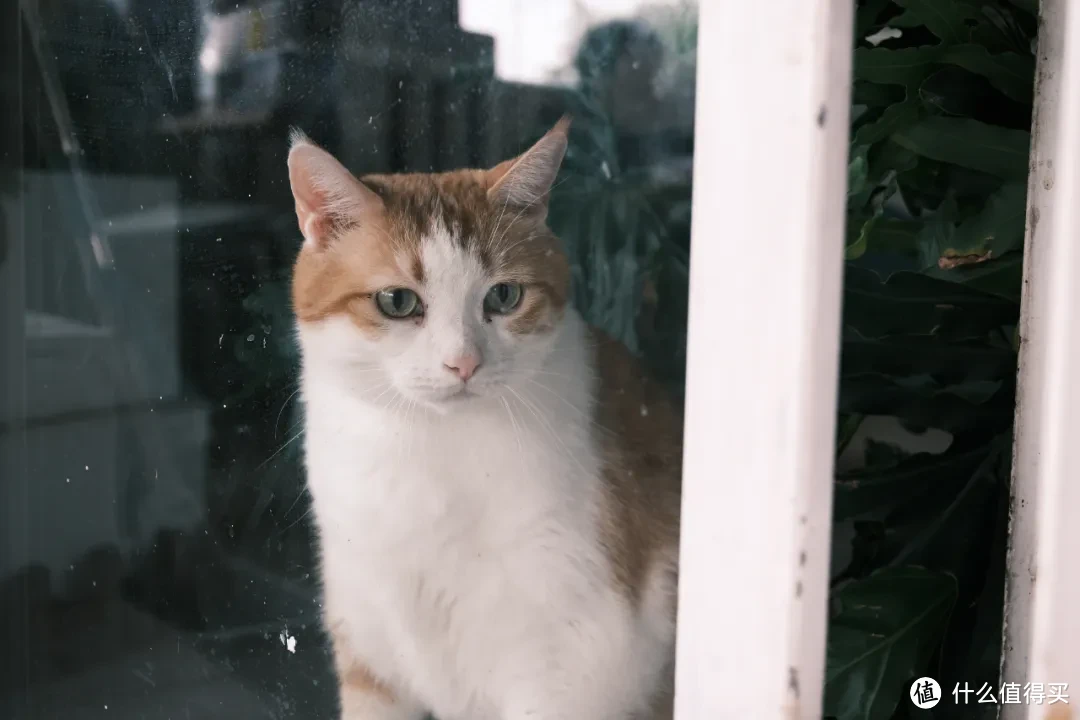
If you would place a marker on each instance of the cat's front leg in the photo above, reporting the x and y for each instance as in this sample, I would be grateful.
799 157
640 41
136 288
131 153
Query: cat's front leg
595 676
558 696
363 694
363 697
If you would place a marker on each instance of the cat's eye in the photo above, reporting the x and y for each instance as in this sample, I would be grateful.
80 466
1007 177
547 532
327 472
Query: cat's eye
398 303
502 298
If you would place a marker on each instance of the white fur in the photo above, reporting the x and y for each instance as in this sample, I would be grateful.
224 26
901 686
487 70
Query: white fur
459 536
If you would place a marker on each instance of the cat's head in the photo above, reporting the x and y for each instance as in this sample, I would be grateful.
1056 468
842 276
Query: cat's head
440 288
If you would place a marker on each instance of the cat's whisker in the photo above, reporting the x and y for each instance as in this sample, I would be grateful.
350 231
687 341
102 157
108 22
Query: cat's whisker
538 414
295 425
399 410
577 349
525 397
410 422
536 198
510 226
386 387
366 369
495 227
552 373
283 406
277 452
514 425
387 405
303 490
294 523
506 249
581 413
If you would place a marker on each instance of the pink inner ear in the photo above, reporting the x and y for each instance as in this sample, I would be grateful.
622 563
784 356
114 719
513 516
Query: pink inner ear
326 194
495 174
527 179
314 226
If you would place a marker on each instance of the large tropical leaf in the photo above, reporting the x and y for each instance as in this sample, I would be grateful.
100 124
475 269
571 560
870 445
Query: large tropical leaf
883 630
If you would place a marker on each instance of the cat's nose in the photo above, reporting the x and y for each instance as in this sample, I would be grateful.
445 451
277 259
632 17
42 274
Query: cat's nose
464 366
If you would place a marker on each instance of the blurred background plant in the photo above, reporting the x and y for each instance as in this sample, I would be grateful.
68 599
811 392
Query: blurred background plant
942 102
942 109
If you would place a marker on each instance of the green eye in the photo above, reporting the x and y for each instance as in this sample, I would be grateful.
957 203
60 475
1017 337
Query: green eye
398 303
502 298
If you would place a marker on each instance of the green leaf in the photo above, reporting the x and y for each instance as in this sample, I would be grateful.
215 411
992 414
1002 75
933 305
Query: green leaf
883 632
969 143
857 248
945 18
949 363
896 117
866 17
978 654
939 522
883 455
888 157
858 171
874 95
998 229
1030 6
937 527
921 401
953 91
880 234
1011 73
1001 277
915 304
903 66
846 428
865 490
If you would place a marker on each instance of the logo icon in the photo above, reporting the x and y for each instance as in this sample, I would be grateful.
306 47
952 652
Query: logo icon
925 693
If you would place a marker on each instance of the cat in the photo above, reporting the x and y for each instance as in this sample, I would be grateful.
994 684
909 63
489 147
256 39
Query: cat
495 484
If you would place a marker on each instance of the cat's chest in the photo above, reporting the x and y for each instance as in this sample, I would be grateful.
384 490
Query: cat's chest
474 485
442 548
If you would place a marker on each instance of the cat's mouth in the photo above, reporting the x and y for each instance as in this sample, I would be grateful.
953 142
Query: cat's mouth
462 393
454 396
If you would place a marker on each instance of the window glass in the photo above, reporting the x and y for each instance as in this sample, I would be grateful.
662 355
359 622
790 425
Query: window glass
158 553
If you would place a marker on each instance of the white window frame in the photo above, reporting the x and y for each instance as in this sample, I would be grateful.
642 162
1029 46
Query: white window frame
773 102
762 366
1042 610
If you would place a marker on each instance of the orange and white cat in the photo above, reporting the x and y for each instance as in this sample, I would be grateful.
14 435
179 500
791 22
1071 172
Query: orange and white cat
495 484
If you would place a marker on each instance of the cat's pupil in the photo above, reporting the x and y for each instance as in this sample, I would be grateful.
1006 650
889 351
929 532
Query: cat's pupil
502 298
398 300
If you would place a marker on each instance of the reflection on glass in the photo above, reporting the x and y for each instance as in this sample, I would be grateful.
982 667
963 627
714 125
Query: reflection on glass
158 555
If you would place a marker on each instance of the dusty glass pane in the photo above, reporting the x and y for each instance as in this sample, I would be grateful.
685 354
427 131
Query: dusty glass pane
157 551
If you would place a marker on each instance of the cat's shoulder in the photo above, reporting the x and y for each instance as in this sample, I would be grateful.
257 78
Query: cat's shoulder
640 428
630 403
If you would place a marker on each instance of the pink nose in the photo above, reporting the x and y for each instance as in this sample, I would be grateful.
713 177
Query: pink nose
464 366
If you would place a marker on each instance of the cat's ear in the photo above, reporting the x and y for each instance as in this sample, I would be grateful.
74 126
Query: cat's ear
328 197
525 181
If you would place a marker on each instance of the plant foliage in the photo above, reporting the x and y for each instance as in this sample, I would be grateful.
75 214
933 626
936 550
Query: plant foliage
936 217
